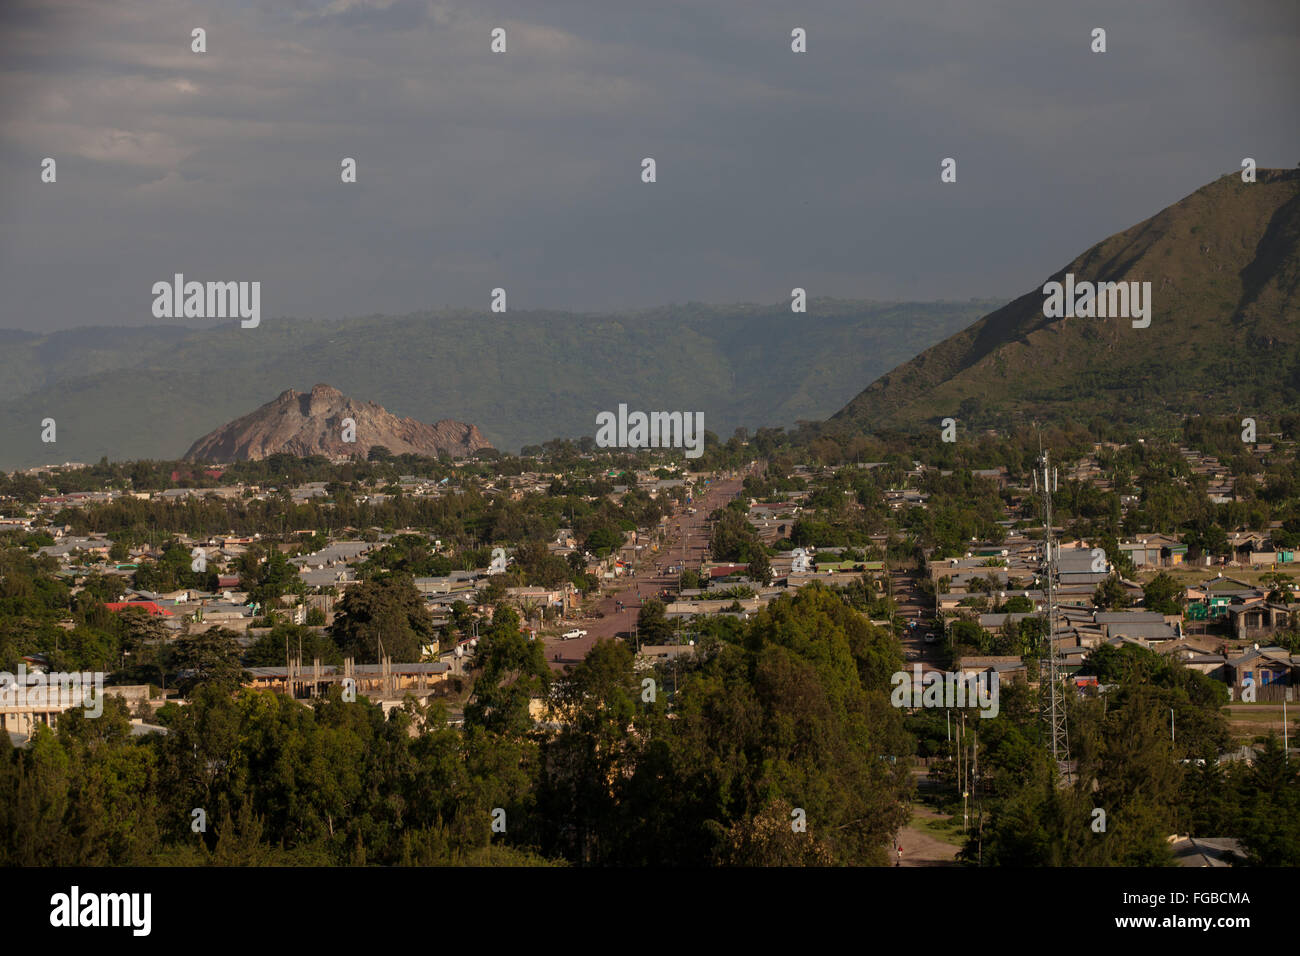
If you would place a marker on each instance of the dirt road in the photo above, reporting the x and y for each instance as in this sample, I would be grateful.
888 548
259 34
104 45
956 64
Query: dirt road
646 581
921 848
915 607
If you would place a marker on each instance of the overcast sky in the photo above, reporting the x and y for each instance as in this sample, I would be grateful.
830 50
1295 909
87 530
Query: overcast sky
522 169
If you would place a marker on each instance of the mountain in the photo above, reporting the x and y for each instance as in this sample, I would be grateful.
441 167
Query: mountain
522 377
314 423
1224 336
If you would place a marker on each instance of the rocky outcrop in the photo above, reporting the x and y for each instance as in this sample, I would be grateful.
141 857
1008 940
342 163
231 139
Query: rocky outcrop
312 423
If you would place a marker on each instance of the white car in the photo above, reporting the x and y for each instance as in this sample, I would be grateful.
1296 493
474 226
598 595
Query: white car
570 635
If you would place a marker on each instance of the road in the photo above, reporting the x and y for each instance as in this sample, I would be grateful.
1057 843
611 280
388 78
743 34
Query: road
913 605
646 582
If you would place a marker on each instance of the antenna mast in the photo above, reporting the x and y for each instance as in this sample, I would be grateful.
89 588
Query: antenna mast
1053 703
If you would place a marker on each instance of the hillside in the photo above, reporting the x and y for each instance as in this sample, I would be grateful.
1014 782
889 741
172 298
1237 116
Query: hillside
522 377
315 422
1224 268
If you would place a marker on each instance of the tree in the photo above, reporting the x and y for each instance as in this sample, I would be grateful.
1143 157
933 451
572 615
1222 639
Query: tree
1162 594
1279 585
597 706
512 672
602 540
209 657
493 592
145 644
269 649
1017 604
760 568
652 625
1111 594
268 578
788 710
732 538
768 839
385 610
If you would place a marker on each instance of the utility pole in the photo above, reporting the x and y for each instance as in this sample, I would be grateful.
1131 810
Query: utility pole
965 789
979 804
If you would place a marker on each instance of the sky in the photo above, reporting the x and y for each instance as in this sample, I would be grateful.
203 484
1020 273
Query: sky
522 170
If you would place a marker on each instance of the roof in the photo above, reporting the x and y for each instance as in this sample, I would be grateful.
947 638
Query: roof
149 606
359 670
1128 617
1207 851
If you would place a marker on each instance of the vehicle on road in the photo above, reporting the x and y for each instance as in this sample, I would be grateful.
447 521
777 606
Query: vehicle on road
575 633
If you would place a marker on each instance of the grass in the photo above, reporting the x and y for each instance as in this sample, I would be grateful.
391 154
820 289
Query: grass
1194 576
946 829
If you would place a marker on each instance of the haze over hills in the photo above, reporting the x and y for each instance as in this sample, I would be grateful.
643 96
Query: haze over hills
522 377
1224 268
315 423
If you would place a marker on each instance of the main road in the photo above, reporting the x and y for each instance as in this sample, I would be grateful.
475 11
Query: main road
647 579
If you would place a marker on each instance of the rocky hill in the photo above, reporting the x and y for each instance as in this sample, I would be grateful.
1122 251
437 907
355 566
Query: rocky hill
313 423
1224 335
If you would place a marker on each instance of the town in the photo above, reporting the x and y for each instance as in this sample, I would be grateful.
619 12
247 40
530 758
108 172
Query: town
479 591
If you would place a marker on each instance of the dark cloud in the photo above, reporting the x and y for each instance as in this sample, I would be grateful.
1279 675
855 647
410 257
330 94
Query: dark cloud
522 170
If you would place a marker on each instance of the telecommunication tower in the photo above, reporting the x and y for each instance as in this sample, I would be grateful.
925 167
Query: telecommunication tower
1052 692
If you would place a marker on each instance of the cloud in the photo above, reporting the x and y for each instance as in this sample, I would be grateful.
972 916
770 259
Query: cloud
522 170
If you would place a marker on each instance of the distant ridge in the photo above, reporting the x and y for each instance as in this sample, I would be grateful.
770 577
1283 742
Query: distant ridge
312 423
522 377
1224 267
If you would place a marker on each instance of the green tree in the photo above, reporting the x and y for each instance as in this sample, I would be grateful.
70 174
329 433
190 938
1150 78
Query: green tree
512 672
1163 594
385 610
1111 594
652 626
208 657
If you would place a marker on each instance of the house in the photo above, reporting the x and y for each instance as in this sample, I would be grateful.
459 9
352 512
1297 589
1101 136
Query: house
1265 667
1256 617
1218 593
1007 668
1197 655
1155 551
1147 626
